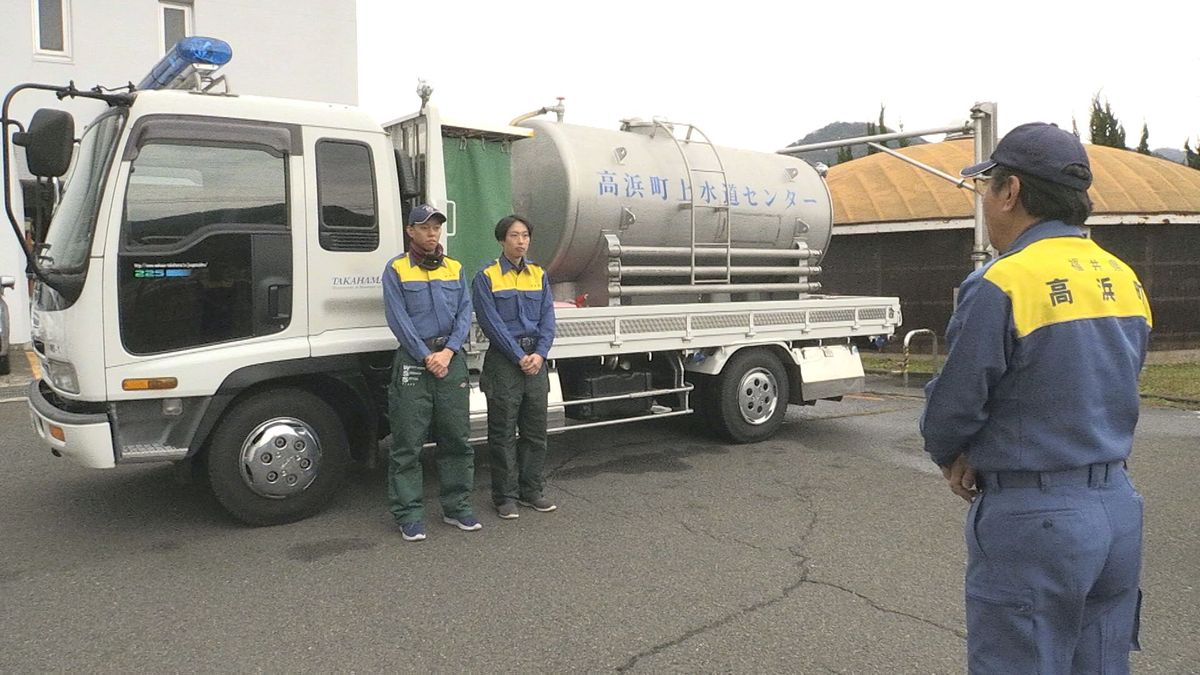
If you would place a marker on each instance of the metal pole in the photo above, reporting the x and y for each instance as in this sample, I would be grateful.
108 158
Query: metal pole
618 291
983 121
879 138
958 181
617 250
630 271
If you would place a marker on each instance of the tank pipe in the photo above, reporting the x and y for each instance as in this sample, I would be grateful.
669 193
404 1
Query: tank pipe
630 291
617 250
558 109
859 140
629 271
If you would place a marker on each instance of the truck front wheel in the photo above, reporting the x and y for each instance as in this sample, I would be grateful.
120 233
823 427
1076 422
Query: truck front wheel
751 396
277 457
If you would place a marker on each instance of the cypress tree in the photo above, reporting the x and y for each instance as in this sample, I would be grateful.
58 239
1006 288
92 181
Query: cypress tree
1105 128
1144 144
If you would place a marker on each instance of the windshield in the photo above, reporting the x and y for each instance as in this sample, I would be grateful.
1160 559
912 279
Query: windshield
69 237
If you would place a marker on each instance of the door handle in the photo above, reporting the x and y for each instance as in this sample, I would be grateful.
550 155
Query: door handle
279 302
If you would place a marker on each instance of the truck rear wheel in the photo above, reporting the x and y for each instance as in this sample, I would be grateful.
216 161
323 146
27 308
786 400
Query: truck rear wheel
277 457
751 396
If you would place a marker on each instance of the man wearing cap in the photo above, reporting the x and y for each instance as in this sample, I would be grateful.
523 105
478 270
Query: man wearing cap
1031 421
429 311
515 309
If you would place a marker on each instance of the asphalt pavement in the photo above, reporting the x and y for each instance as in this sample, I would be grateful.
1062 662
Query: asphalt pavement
832 548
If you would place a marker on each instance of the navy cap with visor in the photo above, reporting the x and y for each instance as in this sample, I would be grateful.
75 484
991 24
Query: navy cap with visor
1043 151
423 213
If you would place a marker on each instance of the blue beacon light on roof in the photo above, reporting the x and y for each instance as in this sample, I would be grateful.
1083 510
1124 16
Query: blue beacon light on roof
189 58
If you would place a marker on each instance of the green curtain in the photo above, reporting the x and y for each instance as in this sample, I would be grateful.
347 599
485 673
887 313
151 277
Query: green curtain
479 182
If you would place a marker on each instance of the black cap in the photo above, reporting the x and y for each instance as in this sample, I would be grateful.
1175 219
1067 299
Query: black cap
1043 151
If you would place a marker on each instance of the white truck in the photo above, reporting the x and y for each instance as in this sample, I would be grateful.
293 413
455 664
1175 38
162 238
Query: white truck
208 289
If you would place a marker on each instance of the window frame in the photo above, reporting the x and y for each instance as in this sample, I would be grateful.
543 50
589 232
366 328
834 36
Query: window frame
322 227
189 26
127 246
57 56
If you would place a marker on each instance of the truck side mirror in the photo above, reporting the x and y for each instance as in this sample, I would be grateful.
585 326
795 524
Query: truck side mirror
7 282
48 143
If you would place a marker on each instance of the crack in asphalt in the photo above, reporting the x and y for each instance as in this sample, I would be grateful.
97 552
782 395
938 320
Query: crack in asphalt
962 634
801 561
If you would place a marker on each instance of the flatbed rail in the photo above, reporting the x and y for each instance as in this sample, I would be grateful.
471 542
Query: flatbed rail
593 331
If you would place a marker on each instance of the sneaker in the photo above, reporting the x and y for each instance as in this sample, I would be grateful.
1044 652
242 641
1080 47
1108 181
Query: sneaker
539 504
467 523
413 531
507 510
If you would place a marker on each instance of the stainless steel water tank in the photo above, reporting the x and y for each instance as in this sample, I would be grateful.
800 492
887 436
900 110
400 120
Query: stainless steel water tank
578 183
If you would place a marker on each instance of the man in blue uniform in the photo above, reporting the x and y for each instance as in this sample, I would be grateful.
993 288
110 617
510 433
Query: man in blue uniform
1032 419
429 311
515 309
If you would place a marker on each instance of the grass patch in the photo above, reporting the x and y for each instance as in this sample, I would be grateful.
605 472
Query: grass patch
1172 381
887 364
1177 382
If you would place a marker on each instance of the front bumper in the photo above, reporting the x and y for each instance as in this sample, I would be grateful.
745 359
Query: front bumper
86 437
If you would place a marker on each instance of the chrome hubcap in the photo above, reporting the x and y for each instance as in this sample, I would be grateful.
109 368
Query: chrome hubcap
758 395
280 458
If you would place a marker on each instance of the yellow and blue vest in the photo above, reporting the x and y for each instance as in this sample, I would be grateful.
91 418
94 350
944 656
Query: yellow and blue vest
422 304
1045 347
514 302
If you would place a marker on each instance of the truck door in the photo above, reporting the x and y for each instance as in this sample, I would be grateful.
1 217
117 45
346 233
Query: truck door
354 203
205 251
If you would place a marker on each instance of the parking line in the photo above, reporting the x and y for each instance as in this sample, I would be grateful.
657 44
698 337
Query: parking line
34 365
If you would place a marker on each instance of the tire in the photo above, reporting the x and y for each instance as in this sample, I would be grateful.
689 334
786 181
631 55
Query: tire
277 457
5 366
751 396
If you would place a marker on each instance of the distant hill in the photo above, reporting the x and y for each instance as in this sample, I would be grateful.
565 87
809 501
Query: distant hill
836 131
1171 154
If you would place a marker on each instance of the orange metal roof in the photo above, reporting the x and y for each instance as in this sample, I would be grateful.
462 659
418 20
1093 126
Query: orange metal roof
880 188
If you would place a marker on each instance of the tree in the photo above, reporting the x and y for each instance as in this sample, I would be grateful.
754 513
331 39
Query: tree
1192 158
1105 128
1144 144
845 154
882 128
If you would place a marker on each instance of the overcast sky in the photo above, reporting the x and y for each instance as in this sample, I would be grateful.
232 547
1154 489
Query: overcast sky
759 75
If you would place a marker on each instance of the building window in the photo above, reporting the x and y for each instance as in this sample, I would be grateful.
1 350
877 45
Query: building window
175 20
52 29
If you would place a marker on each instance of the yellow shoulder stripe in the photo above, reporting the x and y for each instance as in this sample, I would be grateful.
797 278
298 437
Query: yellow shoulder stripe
1066 279
409 272
529 280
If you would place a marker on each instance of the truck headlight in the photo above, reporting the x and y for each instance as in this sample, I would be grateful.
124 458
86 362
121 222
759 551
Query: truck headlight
62 376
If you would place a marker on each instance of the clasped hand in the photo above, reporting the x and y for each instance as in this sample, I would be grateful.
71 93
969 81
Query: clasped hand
531 364
438 363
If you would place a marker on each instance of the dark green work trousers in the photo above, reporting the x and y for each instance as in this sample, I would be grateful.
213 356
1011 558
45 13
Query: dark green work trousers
417 402
516 402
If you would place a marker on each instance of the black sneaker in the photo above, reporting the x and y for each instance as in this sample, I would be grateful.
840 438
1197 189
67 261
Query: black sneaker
507 510
538 504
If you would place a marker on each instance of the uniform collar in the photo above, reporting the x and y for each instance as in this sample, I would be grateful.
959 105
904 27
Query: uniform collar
1044 230
506 266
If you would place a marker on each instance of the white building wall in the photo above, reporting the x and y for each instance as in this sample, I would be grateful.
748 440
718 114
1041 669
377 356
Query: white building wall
304 49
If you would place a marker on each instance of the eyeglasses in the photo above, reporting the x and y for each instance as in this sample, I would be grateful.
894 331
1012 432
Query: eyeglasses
981 183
